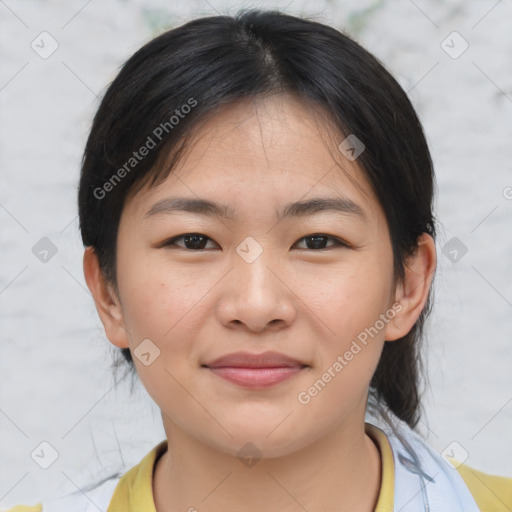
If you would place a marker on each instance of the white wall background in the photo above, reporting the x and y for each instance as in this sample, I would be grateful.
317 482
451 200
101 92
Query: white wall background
56 381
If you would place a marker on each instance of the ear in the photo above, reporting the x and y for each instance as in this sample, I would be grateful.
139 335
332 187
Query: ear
106 301
412 293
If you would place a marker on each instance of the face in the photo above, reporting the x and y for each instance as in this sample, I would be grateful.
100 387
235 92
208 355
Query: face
314 285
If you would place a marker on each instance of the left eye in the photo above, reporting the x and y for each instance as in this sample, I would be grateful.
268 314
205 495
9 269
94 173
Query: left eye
317 241
197 241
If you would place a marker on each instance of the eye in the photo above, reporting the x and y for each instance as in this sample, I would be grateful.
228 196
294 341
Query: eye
317 241
192 241
197 241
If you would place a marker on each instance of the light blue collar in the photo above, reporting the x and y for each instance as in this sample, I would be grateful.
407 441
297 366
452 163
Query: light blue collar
424 481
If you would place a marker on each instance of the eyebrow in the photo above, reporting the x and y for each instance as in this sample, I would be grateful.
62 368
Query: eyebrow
209 208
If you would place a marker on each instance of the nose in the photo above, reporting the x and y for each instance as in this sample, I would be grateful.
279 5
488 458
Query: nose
257 296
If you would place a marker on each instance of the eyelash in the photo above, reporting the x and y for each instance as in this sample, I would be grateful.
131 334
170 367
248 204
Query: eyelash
338 241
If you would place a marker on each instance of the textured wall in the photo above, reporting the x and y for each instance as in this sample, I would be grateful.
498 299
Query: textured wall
56 383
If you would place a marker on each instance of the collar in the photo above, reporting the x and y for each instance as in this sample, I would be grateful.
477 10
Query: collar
134 492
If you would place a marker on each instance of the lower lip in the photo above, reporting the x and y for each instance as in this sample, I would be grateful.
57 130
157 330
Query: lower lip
256 377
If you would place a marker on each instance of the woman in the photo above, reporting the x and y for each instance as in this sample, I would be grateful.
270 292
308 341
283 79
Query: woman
256 205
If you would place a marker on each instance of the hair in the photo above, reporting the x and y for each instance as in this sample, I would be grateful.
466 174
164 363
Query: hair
211 62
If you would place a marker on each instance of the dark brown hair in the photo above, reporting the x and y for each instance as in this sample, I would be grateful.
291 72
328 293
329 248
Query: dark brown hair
210 62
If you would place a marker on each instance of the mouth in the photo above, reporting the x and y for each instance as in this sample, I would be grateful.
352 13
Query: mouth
255 370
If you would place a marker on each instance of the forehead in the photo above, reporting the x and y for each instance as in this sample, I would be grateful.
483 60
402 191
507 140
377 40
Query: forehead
273 149
279 132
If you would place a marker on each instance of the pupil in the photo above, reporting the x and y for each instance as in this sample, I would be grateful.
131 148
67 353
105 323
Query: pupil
194 241
194 244
315 240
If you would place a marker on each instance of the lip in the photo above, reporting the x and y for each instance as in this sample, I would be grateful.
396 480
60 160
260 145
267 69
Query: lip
248 360
255 370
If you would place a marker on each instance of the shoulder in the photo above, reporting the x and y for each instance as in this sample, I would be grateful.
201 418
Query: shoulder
449 481
491 492
25 508
90 501
113 491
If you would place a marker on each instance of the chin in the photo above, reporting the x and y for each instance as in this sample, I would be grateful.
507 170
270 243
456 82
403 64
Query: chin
260 440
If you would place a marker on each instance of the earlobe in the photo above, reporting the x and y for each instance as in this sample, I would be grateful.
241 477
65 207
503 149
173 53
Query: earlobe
105 299
412 292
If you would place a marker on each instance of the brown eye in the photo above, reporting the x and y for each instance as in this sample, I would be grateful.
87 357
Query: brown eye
191 241
318 241
198 242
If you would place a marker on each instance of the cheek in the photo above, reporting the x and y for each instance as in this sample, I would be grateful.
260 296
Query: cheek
156 304
160 308
353 298
348 356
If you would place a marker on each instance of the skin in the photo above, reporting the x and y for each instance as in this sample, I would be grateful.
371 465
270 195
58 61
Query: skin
306 302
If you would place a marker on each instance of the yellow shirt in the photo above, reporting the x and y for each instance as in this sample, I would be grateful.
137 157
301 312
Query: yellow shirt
134 492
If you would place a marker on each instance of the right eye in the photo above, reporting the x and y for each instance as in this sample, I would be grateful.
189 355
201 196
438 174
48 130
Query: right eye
191 241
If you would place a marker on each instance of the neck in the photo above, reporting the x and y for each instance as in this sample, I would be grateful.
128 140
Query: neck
341 472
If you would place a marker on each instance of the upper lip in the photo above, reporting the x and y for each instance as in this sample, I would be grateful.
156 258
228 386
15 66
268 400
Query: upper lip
248 360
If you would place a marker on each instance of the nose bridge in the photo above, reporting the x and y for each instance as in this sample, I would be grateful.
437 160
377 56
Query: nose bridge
252 260
256 296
